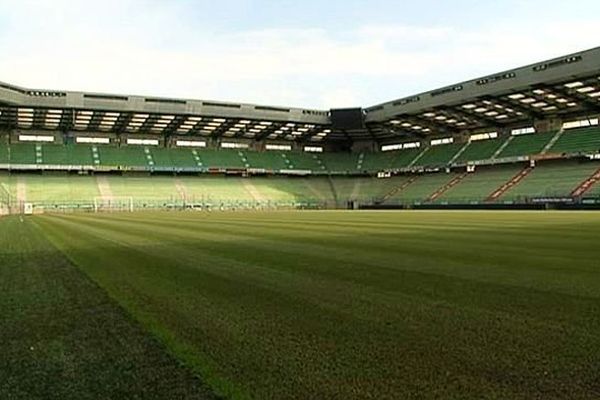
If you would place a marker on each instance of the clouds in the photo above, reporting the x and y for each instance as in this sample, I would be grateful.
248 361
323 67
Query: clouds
160 48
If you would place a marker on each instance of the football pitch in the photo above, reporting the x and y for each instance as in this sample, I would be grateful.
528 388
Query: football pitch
301 305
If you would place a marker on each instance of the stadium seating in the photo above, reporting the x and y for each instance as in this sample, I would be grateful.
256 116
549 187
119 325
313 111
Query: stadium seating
365 190
378 161
58 189
304 161
161 158
340 162
554 179
222 158
269 160
594 191
438 156
403 158
4 155
480 150
578 141
184 158
56 155
420 190
476 187
79 155
187 159
143 188
525 145
24 153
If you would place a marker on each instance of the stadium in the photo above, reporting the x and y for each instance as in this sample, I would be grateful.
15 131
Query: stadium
437 246
523 138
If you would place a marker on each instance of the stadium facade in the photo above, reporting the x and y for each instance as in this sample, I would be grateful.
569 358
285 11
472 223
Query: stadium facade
531 126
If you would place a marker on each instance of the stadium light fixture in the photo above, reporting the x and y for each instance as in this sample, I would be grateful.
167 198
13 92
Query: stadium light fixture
573 85
469 106
516 96
586 89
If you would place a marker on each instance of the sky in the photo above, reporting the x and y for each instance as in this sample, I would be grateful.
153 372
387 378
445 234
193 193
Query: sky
314 54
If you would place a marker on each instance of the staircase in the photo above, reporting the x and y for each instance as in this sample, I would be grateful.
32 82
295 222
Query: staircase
460 152
501 148
455 181
95 155
149 158
417 158
508 185
197 158
554 139
333 190
398 189
586 185
38 154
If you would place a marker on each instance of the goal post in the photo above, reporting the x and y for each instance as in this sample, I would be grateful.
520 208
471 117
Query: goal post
113 204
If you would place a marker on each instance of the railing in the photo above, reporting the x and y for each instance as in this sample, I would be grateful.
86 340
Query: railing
122 204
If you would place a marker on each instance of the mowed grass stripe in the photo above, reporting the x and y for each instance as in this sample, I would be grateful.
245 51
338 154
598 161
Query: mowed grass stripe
452 253
300 322
61 337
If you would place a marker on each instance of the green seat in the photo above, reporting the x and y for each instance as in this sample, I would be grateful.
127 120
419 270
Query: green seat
526 145
584 140
438 156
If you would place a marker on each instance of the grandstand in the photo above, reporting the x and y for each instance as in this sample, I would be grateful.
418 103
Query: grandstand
522 137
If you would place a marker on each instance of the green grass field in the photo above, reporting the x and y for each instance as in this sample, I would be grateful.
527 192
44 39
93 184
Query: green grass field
301 305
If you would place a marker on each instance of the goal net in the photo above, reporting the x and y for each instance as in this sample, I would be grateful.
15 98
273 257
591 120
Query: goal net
113 204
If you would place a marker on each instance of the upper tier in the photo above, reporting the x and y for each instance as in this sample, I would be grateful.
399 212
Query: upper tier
504 149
